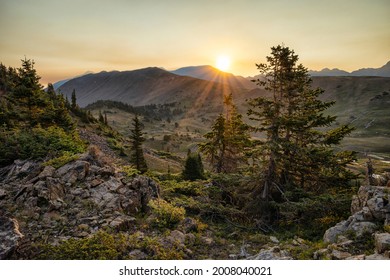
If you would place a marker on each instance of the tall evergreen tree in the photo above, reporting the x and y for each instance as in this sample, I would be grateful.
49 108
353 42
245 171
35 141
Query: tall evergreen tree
137 154
296 152
73 100
226 141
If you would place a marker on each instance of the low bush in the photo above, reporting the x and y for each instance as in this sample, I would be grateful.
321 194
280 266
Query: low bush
165 215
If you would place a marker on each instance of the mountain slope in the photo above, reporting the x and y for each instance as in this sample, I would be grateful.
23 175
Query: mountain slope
209 73
148 86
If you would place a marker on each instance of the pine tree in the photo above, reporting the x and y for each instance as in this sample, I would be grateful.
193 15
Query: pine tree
227 140
137 154
74 105
193 168
296 153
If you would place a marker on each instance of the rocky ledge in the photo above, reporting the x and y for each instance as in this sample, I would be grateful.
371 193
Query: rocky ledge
75 200
370 211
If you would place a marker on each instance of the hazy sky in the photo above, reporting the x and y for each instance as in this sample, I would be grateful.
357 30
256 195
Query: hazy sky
70 37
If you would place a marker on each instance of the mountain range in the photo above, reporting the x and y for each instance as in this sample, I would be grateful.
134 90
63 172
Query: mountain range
383 71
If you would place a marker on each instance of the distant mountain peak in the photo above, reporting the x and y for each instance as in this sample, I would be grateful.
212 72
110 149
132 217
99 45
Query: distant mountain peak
383 71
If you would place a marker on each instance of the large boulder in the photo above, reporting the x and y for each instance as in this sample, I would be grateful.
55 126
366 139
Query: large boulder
9 237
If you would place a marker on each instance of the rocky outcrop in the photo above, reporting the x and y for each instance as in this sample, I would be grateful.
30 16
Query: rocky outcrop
370 210
9 236
75 200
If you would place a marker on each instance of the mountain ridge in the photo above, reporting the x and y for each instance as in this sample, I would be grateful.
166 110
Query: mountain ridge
383 71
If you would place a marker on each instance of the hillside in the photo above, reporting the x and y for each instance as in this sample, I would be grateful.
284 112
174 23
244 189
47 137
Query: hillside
364 103
146 86
361 101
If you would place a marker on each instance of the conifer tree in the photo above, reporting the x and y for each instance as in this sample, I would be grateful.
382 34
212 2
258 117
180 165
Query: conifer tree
74 100
137 154
193 168
227 140
296 153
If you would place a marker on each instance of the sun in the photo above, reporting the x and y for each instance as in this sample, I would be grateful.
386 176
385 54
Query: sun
223 62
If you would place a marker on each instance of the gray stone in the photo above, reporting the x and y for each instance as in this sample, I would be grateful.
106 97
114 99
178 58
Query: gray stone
48 171
274 239
207 240
331 234
273 253
137 255
361 228
382 242
177 236
340 255
376 257
3 193
10 237
73 171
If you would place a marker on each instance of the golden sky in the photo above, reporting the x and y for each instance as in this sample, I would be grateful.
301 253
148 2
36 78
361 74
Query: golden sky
69 37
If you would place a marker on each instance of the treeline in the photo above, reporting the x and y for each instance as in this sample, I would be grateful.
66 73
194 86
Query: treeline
156 112
34 123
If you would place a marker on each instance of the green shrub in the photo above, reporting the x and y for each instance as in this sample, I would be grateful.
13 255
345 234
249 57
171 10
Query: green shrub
37 143
130 171
165 214
101 246
61 160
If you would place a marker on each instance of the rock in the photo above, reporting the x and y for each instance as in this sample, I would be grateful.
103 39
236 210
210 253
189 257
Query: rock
382 242
273 253
372 197
10 237
274 239
96 182
357 258
320 254
376 257
3 193
340 255
176 236
190 238
332 233
106 171
48 171
206 240
122 223
361 228
73 171
137 255
55 189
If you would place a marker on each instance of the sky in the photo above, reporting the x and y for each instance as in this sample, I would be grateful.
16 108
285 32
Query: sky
70 37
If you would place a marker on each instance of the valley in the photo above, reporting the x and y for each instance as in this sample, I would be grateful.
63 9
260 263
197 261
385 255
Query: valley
362 102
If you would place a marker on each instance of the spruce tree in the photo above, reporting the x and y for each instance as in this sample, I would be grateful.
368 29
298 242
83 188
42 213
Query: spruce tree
137 155
193 168
74 101
227 140
297 151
